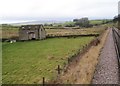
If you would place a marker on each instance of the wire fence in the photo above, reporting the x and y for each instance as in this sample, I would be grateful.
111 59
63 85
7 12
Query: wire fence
72 60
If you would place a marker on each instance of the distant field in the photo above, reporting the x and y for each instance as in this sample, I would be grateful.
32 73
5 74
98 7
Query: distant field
96 22
28 62
62 32
13 32
9 32
93 22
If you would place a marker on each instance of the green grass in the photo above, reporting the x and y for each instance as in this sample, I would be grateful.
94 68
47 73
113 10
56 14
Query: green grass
28 62
98 22
63 32
93 22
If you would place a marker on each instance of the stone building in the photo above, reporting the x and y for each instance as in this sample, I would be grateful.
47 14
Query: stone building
32 32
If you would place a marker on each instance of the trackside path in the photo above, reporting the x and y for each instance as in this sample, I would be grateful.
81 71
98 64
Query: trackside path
107 68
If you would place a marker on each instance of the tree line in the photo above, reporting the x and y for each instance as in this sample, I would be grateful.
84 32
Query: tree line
116 18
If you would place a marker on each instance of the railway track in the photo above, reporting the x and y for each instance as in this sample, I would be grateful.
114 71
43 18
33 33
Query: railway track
108 68
116 37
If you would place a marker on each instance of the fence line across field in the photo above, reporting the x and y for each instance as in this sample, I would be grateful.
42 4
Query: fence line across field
74 58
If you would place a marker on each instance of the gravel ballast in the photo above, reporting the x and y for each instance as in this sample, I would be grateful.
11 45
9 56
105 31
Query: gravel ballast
107 69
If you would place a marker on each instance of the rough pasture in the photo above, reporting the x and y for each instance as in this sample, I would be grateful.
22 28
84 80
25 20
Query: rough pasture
28 62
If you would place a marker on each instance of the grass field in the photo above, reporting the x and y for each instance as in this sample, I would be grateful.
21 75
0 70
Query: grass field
93 22
85 31
28 62
9 32
13 32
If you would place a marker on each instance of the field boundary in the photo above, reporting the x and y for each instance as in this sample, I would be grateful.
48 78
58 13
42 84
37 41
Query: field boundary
72 36
73 60
47 37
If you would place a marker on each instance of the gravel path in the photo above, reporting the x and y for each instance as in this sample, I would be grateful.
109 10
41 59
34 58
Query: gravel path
107 68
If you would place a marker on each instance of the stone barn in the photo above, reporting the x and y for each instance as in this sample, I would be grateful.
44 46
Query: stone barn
32 32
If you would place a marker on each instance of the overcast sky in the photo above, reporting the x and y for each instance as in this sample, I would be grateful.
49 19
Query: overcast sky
28 10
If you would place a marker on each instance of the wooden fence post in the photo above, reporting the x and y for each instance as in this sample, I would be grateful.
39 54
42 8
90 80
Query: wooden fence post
68 60
43 81
58 69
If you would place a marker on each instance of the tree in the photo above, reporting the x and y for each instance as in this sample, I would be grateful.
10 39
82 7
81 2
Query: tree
117 19
75 20
83 22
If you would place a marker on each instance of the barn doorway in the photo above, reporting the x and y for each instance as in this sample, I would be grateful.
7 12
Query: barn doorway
31 35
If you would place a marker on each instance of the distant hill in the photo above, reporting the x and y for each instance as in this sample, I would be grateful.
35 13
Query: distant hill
37 22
